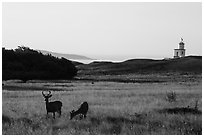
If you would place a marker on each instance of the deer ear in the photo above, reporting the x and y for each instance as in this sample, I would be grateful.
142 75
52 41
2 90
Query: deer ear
50 96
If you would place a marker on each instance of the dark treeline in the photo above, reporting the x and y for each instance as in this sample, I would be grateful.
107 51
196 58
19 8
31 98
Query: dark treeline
27 64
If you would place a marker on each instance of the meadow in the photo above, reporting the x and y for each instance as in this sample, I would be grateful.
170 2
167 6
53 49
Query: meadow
127 108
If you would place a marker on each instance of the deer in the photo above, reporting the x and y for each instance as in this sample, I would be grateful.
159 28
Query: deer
83 109
54 106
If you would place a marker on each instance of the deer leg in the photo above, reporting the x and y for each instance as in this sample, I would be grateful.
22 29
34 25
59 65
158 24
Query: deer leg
47 115
60 112
54 115
80 116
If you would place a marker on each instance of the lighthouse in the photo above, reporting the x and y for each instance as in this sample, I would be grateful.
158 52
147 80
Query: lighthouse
180 52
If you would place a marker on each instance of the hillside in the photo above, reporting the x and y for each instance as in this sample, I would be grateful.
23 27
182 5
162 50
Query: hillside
189 64
67 56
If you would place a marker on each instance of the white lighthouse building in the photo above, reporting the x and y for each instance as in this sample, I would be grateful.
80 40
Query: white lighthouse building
180 52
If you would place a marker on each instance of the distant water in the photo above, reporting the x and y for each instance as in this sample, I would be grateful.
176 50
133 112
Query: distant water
111 60
82 61
98 60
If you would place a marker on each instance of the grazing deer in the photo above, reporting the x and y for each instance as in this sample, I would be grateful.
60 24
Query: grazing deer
83 109
52 106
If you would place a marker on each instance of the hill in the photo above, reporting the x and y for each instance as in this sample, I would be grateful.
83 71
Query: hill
67 56
189 64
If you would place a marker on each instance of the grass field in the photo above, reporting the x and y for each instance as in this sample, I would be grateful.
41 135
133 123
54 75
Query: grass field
114 108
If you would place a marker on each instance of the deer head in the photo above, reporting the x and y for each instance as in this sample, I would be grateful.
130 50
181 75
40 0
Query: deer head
47 96
72 114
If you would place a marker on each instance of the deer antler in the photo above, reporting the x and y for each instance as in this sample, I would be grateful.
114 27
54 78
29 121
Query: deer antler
43 94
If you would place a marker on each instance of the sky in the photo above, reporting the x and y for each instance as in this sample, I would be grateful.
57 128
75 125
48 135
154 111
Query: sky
114 31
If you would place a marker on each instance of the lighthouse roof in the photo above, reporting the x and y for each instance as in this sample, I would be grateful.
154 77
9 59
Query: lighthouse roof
181 43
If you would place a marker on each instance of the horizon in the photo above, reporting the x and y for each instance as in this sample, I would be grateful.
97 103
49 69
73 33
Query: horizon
112 59
109 30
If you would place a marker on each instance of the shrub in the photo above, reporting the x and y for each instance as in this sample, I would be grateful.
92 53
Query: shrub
171 96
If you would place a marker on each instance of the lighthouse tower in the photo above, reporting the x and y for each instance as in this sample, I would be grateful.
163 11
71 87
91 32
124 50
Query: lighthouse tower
181 51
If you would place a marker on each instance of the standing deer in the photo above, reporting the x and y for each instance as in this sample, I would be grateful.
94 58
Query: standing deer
54 106
83 109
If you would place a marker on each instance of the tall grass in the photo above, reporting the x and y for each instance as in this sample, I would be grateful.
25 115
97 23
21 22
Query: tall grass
150 123
114 108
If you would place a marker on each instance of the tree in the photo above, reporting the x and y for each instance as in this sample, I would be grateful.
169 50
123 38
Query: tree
26 64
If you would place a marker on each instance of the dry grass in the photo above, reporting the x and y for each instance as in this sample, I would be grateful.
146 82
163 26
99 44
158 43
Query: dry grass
114 108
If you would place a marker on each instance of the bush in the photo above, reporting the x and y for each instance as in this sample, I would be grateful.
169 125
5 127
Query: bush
171 96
